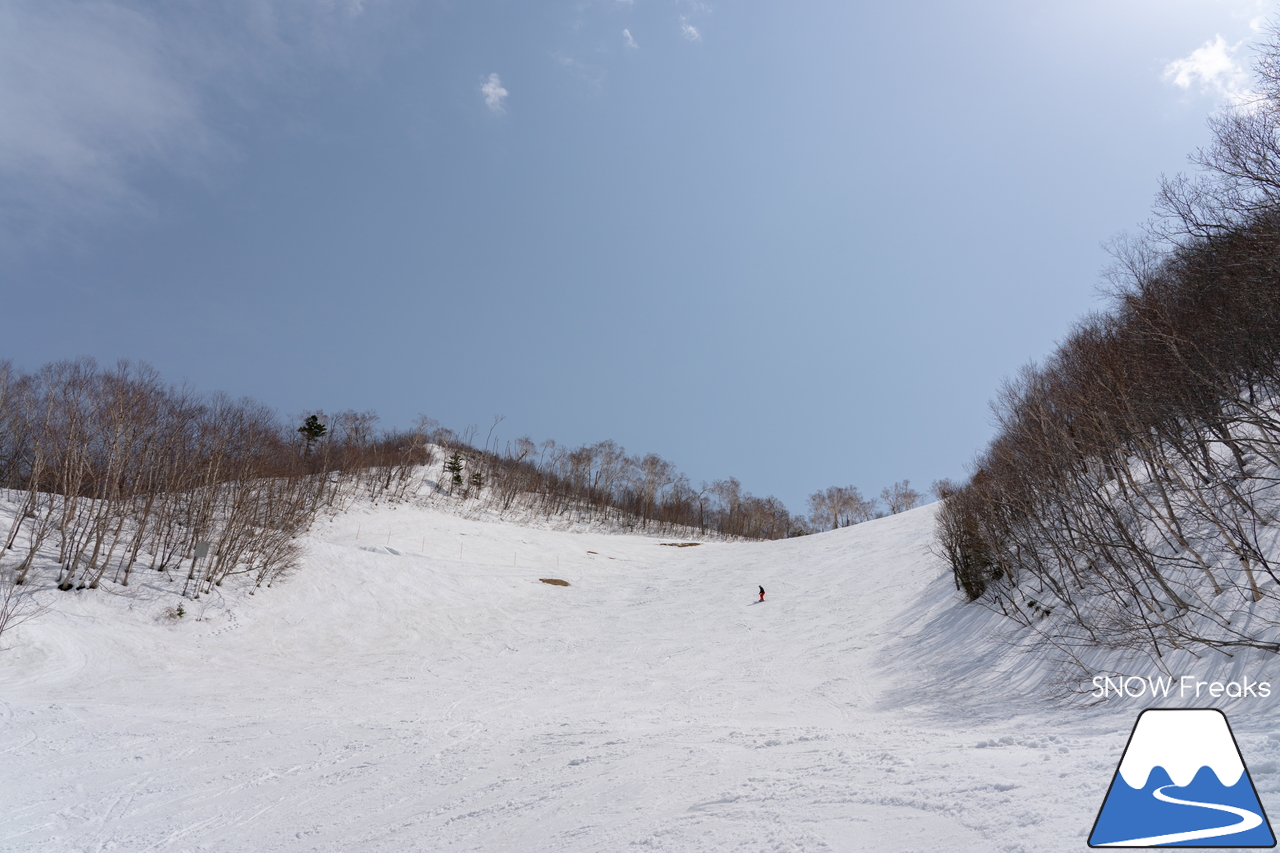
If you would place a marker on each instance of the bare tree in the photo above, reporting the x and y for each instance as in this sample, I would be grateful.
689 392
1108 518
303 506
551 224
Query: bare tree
17 604
900 497
839 506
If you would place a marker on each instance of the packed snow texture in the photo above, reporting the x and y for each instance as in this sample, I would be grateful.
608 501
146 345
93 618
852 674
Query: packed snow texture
415 687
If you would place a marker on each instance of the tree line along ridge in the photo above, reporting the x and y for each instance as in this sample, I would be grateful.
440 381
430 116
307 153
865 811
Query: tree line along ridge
109 471
1130 497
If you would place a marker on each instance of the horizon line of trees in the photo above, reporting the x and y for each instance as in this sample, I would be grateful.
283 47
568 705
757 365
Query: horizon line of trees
843 506
601 482
1133 486
110 470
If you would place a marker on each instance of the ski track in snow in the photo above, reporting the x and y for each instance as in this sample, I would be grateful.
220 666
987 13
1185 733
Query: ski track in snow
431 694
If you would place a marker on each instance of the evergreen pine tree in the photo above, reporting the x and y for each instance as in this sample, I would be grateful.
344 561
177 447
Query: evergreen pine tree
312 431
454 467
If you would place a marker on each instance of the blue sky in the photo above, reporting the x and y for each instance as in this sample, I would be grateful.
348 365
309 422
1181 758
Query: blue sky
799 244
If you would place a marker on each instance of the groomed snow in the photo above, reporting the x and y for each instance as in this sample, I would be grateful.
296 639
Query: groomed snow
418 689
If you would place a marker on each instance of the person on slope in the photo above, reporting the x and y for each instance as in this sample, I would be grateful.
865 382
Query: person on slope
762 593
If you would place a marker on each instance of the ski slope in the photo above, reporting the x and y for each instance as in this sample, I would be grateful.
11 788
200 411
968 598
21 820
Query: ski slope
415 687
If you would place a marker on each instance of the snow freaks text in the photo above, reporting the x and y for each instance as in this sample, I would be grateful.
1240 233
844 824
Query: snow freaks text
1186 687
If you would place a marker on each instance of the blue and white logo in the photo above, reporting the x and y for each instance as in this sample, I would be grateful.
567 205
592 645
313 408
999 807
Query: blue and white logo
1182 783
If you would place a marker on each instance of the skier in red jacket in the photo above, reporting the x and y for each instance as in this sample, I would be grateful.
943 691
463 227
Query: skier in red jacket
762 593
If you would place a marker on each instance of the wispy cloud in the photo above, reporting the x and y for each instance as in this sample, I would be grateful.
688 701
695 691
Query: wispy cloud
1213 69
629 41
693 10
88 92
95 95
494 94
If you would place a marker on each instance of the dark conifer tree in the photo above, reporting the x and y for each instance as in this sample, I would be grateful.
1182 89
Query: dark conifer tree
454 468
312 431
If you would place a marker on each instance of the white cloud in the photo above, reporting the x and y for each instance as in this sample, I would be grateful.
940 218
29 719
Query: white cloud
695 10
629 41
494 94
1212 69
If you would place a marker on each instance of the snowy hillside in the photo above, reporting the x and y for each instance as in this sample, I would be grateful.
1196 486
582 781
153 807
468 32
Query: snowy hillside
414 686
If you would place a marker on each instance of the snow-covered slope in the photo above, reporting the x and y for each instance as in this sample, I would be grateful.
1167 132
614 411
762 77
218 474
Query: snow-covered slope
416 687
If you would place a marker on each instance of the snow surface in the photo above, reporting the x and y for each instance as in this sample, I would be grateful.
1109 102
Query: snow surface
415 687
